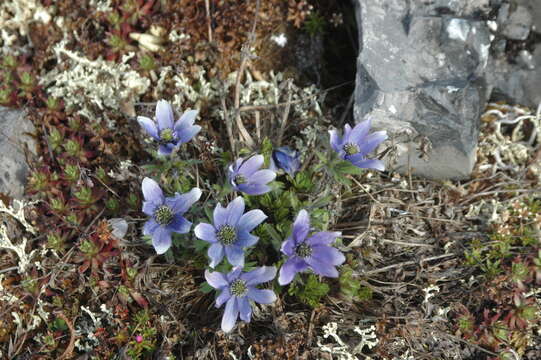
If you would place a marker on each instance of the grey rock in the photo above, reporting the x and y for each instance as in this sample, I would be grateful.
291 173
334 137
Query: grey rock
536 12
525 60
13 168
515 83
420 77
515 22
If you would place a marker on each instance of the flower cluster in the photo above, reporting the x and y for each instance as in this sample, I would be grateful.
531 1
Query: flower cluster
357 143
229 234
237 288
314 253
245 176
166 213
168 133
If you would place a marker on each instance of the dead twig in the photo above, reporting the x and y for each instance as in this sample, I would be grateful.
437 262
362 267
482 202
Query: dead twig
228 125
244 59
403 264
285 115
209 21
71 345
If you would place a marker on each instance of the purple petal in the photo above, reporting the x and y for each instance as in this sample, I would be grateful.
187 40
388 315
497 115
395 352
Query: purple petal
245 239
301 227
369 143
161 240
250 220
291 267
206 232
328 254
187 134
288 246
235 255
235 209
254 189
220 215
216 279
223 297
259 275
356 158
186 120
149 207
251 165
236 165
150 226
216 254
336 141
322 268
166 149
149 126
370 164
179 225
152 191
180 203
359 131
234 274
287 159
262 177
323 238
230 314
164 115
261 296
347 131
245 308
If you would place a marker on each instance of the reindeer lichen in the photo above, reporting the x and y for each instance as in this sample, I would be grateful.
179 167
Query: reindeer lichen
98 83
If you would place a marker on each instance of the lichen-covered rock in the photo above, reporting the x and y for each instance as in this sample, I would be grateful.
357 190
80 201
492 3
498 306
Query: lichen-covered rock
517 83
13 139
420 76
515 21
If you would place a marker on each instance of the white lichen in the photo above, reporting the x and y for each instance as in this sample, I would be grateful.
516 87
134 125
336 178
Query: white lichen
369 338
17 212
340 350
98 83
176 35
25 259
280 39
511 151
18 15
102 5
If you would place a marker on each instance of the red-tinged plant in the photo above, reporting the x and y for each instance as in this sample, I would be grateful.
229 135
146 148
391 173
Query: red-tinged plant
135 10
97 248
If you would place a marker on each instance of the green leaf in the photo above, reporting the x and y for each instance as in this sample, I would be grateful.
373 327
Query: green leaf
311 292
347 168
205 288
276 239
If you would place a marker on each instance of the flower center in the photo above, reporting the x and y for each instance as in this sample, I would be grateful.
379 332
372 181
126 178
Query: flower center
240 179
164 215
167 136
227 235
303 250
238 287
351 149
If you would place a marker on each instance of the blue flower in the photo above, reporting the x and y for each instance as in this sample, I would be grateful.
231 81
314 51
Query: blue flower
357 143
286 159
230 233
245 176
166 213
314 252
237 289
166 131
